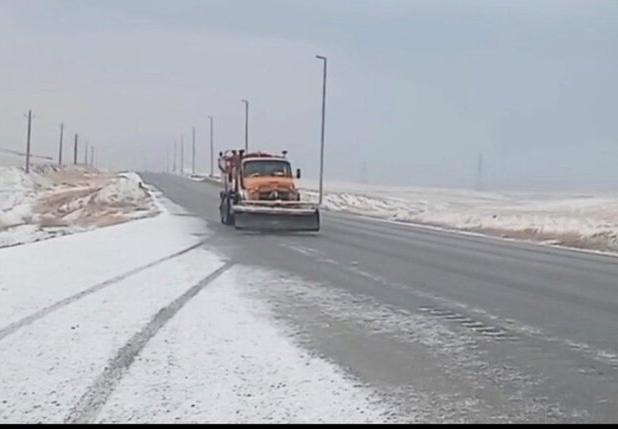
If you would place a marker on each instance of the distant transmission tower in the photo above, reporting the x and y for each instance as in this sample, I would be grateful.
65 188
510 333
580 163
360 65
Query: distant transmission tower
479 173
364 172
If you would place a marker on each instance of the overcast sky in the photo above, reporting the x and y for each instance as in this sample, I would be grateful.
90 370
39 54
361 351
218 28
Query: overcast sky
416 89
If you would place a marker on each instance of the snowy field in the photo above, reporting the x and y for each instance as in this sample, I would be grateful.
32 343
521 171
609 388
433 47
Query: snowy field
50 201
584 220
139 322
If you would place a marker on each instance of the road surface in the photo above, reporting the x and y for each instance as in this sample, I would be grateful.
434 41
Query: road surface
446 326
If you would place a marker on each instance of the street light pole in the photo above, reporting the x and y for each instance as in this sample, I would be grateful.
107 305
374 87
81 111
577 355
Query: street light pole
320 57
75 150
182 155
175 152
212 150
246 125
193 153
60 145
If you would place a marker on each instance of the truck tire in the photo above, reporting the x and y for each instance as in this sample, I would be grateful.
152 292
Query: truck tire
227 217
222 208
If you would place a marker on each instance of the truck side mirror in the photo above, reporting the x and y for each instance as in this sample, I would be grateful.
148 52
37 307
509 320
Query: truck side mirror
298 173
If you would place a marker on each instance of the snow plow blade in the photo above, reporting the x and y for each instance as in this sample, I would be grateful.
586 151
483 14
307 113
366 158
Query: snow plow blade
258 218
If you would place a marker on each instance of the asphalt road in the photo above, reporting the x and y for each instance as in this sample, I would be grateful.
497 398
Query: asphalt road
446 326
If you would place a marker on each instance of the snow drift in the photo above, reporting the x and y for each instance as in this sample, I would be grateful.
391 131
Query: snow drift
54 201
584 220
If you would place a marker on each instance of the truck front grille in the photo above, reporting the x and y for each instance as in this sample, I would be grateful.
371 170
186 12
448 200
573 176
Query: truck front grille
275 195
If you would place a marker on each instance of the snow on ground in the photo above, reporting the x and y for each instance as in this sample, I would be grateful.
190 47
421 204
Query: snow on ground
50 201
17 194
70 309
243 370
586 220
37 274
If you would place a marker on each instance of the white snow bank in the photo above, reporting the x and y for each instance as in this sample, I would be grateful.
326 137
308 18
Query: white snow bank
579 220
127 190
17 193
52 201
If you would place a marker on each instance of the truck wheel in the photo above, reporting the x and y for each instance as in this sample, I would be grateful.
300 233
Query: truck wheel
230 213
227 217
222 210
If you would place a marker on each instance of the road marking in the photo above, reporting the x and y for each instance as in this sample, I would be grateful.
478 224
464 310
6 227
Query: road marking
308 251
15 326
95 397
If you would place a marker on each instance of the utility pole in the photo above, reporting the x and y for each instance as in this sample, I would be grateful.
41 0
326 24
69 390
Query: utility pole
182 155
320 57
28 142
175 152
212 150
479 173
92 156
246 125
86 155
60 145
75 150
193 153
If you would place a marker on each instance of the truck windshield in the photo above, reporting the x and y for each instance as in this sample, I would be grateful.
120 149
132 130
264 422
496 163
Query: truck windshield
267 168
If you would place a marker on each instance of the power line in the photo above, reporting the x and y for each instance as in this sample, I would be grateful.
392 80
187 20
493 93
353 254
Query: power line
18 153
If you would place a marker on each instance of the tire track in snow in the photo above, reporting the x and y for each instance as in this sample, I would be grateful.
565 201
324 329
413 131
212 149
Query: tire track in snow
95 397
15 326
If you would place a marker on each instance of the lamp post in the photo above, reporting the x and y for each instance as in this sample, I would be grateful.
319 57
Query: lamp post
246 125
320 57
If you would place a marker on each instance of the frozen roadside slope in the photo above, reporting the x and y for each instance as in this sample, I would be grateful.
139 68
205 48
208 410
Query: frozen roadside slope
51 202
578 220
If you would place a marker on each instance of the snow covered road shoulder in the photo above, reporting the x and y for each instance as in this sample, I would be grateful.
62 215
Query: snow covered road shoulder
243 369
138 322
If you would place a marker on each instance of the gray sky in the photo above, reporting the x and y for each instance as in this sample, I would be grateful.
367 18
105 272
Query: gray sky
416 88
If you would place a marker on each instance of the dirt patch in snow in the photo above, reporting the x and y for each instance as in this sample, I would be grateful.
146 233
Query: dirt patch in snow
106 200
81 177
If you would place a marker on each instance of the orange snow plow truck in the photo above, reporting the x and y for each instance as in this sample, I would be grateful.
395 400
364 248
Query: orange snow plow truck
260 194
